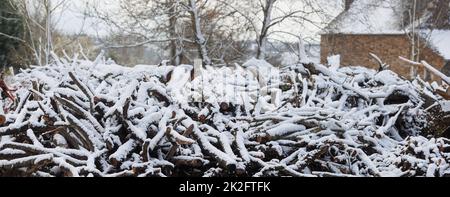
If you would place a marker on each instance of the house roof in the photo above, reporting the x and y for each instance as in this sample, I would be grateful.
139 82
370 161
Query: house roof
439 40
369 17
389 17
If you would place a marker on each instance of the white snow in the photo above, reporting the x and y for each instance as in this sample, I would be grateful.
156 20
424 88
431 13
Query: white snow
334 62
286 128
388 77
1 107
124 150
440 41
35 159
369 17
10 151
445 106
288 58
60 140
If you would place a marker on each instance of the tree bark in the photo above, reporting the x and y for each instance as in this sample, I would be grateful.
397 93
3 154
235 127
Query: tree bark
199 37
175 52
262 40
2 119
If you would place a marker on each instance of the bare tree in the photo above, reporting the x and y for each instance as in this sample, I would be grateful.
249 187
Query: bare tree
149 22
421 18
264 16
183 28
38 19
267 9
200 39
413 19
176 45
219 32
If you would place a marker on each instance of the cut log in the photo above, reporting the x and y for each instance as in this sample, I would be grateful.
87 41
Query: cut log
122 152
6 90
34 161
438 73
174 148
445 95
84 89
2 119
430 68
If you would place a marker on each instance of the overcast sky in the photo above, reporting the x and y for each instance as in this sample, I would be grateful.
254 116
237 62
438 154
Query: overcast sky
70 19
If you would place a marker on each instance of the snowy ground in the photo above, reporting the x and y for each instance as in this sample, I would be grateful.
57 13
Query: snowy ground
84 118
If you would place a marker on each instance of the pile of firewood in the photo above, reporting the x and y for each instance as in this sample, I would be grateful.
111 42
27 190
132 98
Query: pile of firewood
83 118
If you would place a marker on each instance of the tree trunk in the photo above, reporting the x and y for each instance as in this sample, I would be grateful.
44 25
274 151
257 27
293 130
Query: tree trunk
262 40
199 37
175 52
48 29
2 119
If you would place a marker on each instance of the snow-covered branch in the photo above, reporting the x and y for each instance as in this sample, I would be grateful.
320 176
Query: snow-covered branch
84 118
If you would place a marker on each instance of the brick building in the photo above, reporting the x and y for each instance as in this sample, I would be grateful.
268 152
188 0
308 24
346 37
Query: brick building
386 28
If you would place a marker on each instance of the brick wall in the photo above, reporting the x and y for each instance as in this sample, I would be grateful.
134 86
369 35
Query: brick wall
355 49
434 59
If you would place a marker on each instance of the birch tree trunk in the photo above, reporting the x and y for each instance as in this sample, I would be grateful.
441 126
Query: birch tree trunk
413 39
48 29
262 40
199 37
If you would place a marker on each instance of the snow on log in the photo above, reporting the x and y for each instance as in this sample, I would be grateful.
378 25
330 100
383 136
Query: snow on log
430 68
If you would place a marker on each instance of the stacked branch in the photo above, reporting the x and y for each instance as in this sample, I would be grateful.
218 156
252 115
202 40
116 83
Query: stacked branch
86 118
